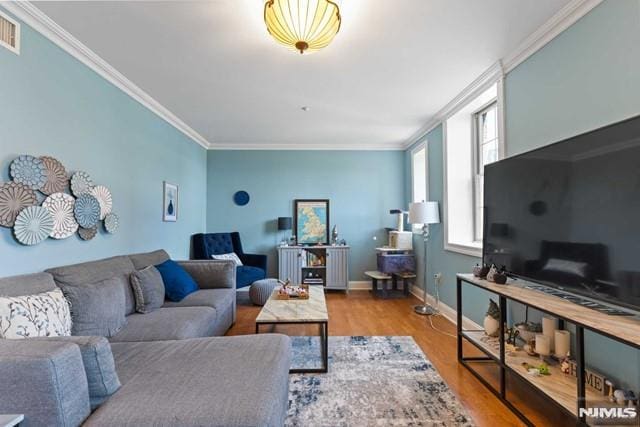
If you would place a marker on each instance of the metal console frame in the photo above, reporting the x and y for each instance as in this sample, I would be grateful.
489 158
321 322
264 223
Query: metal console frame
501 393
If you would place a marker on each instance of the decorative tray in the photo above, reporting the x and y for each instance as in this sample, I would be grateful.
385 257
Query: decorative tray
293 292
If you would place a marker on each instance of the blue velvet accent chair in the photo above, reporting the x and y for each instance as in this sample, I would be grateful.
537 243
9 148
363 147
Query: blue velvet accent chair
207 244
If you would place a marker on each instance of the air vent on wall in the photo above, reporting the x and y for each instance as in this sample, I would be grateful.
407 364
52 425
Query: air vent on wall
9 33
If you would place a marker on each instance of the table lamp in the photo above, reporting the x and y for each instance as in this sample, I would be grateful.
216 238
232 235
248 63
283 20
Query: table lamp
284 224
424 213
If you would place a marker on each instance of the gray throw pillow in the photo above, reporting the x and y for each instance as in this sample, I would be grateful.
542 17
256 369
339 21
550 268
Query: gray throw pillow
148 289
99 366
96 308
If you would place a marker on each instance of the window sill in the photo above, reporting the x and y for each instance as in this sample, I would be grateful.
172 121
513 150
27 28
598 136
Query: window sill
470 249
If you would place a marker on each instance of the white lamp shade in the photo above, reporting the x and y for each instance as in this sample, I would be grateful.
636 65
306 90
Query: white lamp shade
424 213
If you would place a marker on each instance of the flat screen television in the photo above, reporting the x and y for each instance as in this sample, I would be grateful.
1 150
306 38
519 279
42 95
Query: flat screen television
568 215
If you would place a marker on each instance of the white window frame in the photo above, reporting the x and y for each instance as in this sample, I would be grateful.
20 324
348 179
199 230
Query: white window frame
15 49
476 145
424 145
473 248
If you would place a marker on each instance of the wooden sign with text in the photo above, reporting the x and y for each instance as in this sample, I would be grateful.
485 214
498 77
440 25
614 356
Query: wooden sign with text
592 379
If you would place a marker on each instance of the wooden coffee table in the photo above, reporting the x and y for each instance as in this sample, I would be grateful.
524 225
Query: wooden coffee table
300 312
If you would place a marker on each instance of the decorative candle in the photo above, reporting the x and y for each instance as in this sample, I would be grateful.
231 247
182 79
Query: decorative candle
548 329
561 343
543 345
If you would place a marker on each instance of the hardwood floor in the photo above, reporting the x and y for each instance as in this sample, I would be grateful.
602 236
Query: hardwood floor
358 313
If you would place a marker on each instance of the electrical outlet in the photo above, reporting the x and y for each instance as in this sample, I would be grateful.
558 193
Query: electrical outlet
438 278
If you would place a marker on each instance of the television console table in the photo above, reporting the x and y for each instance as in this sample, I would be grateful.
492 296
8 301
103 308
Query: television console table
569 392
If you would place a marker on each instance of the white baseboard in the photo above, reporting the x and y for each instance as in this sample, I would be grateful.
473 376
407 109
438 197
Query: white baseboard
360 285
447 312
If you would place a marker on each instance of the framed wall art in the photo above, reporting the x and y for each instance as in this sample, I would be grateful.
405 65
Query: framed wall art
170 202
312 221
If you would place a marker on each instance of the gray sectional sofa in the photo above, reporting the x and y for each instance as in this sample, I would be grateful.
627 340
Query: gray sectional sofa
173 368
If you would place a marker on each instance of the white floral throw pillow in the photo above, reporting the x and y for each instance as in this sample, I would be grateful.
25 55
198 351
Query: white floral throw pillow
40 315
231 256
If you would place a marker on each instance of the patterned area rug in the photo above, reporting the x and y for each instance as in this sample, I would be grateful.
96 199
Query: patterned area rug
372 381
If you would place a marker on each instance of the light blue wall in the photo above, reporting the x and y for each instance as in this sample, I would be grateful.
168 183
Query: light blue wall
53 105
585 78
361 185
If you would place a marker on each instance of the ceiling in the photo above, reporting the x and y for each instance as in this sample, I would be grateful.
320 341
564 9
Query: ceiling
391 67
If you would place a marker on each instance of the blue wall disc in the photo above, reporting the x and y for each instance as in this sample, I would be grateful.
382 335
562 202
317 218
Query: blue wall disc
241 198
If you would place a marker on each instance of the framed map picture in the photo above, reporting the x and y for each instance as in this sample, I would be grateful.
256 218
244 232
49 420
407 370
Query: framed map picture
312 221
170 202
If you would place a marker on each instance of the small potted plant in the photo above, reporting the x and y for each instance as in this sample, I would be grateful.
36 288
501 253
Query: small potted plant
492 319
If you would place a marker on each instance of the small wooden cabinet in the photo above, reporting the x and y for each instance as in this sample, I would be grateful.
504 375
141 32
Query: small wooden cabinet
289 264
315 265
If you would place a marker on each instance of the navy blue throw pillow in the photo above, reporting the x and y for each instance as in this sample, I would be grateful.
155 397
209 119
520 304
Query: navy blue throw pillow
177 282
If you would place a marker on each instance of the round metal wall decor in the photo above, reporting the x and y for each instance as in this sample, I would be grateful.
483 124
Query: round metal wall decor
13 198
56 176
28 170
241 198
103 195
81 183
87 211
60 207
87 233
33 225
111 223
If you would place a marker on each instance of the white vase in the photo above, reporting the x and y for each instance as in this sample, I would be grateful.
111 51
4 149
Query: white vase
491 326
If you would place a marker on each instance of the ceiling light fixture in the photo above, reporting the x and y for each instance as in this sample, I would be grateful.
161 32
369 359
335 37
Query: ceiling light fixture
303 25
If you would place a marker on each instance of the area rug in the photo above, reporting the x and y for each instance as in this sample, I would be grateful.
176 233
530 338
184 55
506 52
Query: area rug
372 381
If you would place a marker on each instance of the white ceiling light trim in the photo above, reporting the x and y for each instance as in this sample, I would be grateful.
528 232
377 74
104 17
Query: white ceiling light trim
558 23
36 19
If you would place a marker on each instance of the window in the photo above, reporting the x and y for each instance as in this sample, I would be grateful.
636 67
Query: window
471 141
486 152
9 33
419 175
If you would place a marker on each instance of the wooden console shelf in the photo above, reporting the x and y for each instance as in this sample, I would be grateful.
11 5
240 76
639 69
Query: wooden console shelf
569 392
558 386
620 328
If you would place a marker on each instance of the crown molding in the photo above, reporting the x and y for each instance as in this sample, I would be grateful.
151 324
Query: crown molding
563 19
36 19
553 27
310 147
486 79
